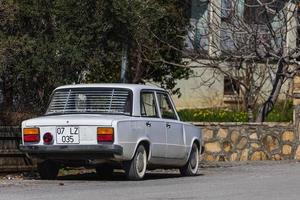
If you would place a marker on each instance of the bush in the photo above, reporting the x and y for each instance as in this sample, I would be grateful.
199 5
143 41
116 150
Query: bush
282 112
210 115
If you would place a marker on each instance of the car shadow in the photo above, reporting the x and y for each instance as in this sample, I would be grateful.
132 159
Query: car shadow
119 176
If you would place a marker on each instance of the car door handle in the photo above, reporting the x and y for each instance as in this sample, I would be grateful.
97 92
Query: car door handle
148 124
168 125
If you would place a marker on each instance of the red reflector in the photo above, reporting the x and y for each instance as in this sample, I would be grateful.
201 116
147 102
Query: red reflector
48 138
105 138
31 138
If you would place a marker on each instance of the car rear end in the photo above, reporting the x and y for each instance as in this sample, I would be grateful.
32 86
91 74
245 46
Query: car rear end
68 142
79 125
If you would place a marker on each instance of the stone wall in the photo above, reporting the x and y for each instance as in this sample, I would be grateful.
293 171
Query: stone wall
249 141
254 141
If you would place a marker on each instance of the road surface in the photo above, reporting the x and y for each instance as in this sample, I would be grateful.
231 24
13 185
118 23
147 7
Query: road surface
257 181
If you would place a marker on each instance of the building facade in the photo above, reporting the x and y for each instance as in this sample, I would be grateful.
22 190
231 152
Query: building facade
234 46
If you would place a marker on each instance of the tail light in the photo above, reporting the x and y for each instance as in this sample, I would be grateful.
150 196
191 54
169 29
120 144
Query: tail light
31 134
105 134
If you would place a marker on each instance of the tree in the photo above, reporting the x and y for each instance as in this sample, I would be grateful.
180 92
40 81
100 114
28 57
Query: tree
141 26
44 44
28 69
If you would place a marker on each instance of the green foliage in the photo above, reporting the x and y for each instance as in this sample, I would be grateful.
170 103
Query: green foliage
151 30
282 112
44 44
210 115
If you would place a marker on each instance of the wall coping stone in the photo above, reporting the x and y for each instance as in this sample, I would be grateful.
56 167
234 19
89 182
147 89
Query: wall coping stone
287 124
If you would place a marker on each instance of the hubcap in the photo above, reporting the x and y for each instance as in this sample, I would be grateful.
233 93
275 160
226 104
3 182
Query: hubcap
141 163
194 160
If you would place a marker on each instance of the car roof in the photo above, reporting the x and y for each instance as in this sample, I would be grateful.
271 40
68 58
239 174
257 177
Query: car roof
133 87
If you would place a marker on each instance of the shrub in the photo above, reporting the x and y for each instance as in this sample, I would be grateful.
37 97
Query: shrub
210 115
282 112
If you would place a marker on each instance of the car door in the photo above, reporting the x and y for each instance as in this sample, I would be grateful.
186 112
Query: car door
154 126
174 128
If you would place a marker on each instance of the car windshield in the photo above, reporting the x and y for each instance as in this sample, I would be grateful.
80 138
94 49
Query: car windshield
91 100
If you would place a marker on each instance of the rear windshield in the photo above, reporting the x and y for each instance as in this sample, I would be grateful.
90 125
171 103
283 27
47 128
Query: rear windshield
91 100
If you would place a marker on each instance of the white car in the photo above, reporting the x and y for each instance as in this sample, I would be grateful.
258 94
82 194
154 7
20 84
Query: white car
110 126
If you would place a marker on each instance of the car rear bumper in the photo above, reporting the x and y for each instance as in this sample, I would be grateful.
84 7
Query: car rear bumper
73 151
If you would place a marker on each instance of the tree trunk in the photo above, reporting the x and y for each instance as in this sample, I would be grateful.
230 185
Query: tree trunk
248 92
268 105
124 65
138 71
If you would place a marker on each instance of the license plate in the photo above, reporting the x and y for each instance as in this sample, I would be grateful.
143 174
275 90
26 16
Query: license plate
67 135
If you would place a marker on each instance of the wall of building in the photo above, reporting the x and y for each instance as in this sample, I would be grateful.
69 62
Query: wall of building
208 18
196 94
205 88
211 34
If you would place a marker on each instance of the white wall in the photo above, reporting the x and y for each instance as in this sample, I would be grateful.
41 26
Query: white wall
195 94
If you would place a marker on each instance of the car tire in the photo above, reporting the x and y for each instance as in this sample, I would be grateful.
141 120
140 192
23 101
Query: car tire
48 170
191 167
104 171
136 168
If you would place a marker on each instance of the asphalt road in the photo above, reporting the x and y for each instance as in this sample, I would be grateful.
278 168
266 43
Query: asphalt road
257 181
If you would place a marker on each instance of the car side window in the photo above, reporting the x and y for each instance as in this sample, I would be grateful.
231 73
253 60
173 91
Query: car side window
148 105
165 106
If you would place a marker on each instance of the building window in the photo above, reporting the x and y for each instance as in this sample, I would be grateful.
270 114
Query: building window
231 86
197 38
262 11
230 35
226 10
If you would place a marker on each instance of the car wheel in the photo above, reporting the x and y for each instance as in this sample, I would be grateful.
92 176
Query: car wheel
136 168
191 167
105 171
48 170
